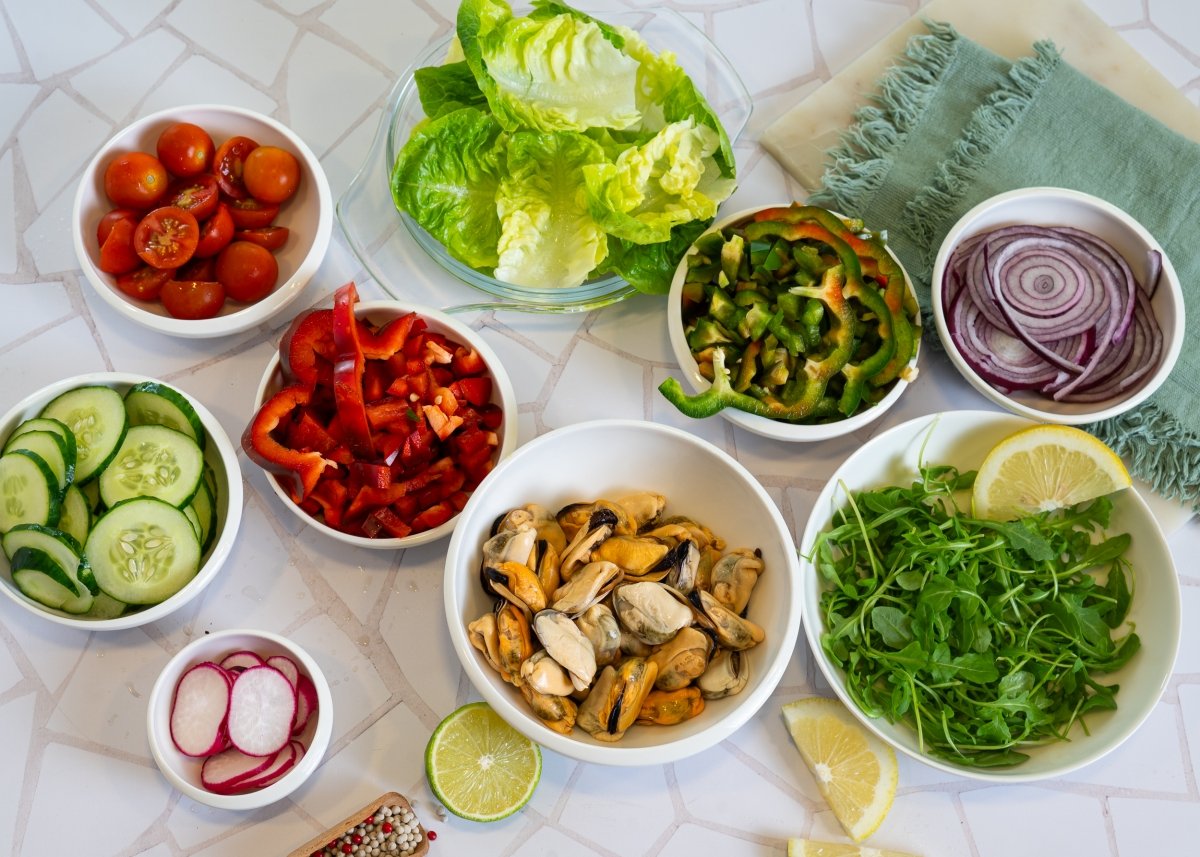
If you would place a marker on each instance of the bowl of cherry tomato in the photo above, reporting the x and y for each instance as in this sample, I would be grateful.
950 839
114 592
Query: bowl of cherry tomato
203 220
376 420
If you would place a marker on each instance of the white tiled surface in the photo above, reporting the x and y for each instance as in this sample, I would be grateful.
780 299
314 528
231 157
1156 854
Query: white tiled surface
77 776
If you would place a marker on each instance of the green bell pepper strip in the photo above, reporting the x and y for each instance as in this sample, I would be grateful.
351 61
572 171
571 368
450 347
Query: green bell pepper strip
878 262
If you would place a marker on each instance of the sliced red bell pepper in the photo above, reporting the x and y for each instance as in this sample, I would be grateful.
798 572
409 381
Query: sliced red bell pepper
467 362
434 516
348 373
371 475
306 433
307 350
477 389
391 413
388 340
331 495
385 522
302 467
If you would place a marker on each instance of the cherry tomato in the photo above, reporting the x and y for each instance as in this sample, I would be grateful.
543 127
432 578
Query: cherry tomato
185 149
145 283
106 222
193 299
197 268
197 194
271 174
215 233
247 271
116 253
271 237
228 164
250 213
166 237
135 180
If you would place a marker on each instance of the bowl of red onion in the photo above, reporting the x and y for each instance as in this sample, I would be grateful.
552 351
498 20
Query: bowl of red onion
1057 305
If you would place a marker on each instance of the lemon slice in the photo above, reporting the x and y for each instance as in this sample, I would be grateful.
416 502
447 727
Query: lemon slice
855 771
1043 468
812 848
479 767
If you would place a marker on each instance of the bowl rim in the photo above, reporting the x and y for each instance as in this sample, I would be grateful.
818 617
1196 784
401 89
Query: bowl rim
593 294
502 385
221 548
818 521
670 750
249 315
1172 338
764 426
286 784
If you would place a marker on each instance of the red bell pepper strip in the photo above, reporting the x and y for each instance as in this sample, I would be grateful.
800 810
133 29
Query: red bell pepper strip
388 340
307 350
348 374
304 468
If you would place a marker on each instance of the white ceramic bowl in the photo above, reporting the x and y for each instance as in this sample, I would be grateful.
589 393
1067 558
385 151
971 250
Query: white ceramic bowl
774 429
1050 206
218 452
608 459
503 395
962 439
308 214
183 772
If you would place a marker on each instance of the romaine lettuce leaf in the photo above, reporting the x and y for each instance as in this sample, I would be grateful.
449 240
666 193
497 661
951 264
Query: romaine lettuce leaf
446 178
547 239
652 188
548 72
446 88
649 268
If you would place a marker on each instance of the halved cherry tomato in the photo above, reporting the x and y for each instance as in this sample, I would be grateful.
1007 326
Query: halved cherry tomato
116 253
193 299
228 164
166 237
144 284
271 174
185 149
247 271
271 237
250 213
197 268
106 222
135 180
215 233
197 194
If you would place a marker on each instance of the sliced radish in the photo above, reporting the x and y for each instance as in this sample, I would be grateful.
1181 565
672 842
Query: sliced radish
281 763
286 666
231 766
306 703
198 711
242 660
262 706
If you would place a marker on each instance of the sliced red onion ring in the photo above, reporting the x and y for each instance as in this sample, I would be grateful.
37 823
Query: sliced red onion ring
1053 309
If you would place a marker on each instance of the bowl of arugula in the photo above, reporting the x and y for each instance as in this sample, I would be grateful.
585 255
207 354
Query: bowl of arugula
1004 651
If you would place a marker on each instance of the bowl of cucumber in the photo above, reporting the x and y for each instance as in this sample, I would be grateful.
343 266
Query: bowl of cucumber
120 498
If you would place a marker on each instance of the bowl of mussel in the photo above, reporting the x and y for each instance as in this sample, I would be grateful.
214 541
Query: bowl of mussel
622 592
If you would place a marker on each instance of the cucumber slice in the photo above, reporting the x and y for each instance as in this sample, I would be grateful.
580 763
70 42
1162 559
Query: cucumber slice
143 550
91 493
151 403
28 490
96 417
104 606
206 514
62 548
189 512
41 578
75 516
153 461
46 424
53 450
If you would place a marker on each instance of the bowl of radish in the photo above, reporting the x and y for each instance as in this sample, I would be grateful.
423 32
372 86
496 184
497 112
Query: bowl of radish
239 719
1057 305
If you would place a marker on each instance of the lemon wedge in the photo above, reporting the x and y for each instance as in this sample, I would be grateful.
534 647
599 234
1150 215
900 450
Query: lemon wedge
1043 468
855 771
813 848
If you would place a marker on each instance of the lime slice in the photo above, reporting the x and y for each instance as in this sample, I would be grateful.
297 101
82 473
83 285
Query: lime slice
479 767
1043 468
856 772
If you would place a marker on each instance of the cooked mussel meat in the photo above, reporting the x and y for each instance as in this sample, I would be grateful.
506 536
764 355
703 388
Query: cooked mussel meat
563 640
682 658
615 700
650 611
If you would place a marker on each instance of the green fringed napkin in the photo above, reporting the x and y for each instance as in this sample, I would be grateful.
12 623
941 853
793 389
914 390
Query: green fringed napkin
953 124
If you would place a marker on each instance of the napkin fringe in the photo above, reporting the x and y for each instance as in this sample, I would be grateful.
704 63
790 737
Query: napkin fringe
986 132
860 161
1159 450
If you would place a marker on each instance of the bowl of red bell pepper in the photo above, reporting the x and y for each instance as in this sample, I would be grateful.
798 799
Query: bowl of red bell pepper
377 419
